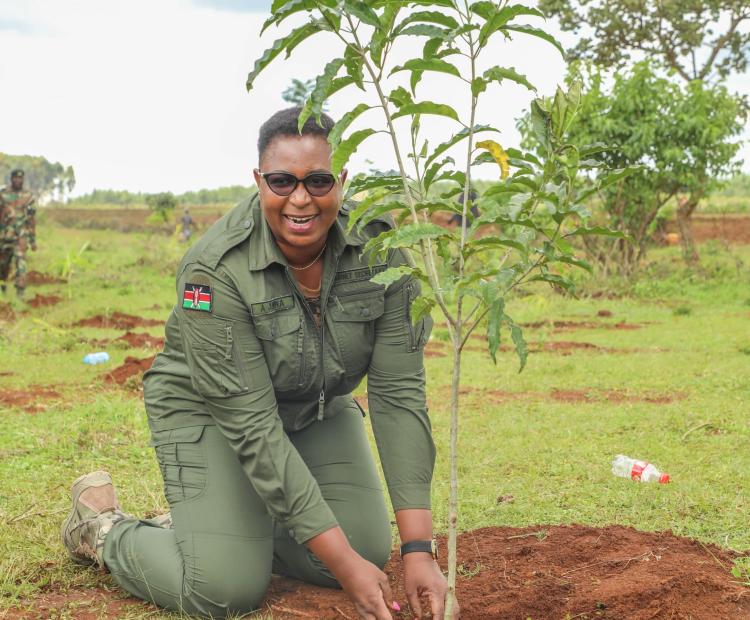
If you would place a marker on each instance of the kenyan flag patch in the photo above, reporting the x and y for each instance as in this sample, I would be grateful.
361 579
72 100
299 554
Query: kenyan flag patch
197 297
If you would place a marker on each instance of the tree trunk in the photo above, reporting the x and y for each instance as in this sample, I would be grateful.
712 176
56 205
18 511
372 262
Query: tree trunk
450 598
684 212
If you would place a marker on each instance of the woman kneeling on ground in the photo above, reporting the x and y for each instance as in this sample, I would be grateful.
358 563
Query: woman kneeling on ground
262 448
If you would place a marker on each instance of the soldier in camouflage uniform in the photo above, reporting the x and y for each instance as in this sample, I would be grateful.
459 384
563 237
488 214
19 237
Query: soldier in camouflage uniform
17 231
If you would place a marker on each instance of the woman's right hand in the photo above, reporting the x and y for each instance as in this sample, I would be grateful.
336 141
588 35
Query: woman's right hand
367 587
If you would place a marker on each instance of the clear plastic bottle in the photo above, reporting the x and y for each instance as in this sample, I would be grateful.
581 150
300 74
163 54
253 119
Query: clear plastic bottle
640 471
96 358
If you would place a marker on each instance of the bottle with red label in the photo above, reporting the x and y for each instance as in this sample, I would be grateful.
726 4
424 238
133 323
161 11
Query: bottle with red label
640 471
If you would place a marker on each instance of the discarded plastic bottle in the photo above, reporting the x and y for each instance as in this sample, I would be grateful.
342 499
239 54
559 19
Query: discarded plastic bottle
640 471
96 358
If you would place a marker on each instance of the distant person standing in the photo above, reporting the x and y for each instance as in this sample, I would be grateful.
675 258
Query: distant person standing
187 225
17 231
457 218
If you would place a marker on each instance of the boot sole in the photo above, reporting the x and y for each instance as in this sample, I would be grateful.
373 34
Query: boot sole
75 494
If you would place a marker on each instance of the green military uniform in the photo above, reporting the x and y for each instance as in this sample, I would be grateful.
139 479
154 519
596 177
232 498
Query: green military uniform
258 438
17 232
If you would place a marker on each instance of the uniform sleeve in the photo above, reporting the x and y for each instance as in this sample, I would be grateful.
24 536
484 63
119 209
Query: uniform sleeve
396 396
228 369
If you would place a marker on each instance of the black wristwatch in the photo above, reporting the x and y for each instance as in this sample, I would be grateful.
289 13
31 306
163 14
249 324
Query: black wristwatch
423 546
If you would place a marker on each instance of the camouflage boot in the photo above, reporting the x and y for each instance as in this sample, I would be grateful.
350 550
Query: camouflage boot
95 510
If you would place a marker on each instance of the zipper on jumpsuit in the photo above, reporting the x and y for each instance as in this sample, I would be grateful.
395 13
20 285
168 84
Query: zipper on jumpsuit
323 300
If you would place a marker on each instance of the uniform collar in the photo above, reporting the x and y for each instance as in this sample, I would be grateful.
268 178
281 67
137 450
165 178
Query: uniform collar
264 249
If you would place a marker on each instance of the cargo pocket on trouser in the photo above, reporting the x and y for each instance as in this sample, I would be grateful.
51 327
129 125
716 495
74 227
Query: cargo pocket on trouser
182 462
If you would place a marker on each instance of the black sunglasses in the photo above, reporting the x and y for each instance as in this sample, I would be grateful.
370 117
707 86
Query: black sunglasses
284 183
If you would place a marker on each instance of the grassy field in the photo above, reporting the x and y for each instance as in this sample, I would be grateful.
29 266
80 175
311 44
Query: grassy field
674 388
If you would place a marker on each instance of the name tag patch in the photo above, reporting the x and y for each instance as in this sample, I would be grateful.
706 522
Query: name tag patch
355 275
272 305
197 297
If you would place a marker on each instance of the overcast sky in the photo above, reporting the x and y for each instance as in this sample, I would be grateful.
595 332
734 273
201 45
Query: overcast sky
149 95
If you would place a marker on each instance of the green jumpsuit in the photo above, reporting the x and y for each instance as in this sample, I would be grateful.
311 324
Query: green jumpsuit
259 441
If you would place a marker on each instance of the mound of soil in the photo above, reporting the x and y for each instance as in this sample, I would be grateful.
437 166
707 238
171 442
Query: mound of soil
36 277
44 300
30 400
541 572
131 367
117 320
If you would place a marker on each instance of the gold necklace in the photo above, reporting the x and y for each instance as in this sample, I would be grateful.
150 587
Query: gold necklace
314 291
315 260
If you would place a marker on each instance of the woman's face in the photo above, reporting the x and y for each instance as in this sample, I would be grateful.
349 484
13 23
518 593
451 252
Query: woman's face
299 220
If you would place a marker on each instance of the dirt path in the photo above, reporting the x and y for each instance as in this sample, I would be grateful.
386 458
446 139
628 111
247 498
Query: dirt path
541 572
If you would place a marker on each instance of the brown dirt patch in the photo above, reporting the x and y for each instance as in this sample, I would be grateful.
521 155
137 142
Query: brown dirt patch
44 300
37 277
6 312
131 367
540 572
563 326
142 340
117 320
574 396
30 400
729 228
604 313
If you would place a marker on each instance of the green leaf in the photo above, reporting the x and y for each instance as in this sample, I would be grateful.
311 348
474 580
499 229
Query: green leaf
400 97
363 13
494 323
343 123
597 230
516 335
406 236
484 9
499 18
378 211
421 307
392 274
478 86
434 17
455 139
577 262
318 96
354 66
433 64
346 148
423 30
498 74
365 183
290 7
429 175
365 204
427 107
491 243
292 39
381 35
537 32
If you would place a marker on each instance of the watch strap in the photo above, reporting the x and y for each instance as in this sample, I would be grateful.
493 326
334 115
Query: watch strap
422 546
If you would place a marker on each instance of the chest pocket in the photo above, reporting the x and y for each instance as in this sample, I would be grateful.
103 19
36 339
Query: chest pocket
353 315
282 337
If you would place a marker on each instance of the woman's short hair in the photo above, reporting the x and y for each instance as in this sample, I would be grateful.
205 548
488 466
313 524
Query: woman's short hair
284 123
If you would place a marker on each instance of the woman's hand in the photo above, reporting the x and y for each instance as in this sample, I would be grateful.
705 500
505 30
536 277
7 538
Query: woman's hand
367 587
423 579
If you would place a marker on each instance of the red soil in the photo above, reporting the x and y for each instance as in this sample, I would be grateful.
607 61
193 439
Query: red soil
117 320
142 340
541 572
36 277
44 300
31 400
572 325
6 312
131 367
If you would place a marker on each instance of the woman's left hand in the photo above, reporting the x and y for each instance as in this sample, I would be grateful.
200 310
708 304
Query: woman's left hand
424 580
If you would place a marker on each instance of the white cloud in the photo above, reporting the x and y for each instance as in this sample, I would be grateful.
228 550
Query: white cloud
150 95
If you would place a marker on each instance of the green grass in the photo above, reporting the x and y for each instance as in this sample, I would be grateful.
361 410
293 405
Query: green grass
553 457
